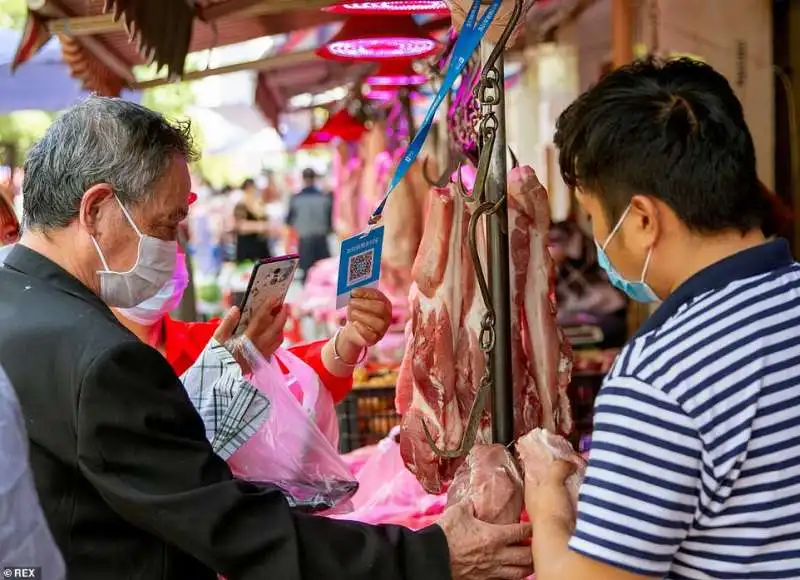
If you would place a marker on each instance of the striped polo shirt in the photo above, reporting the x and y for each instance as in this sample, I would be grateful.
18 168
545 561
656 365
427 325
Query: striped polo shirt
695 459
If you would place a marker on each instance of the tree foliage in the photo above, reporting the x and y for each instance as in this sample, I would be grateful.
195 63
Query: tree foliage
12 14
23 128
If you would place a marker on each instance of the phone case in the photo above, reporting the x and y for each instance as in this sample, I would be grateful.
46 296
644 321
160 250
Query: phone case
270 279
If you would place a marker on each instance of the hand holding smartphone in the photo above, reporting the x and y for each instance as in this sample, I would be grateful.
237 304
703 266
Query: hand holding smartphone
269 282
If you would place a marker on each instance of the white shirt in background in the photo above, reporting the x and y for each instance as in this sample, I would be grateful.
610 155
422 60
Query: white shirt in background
25 539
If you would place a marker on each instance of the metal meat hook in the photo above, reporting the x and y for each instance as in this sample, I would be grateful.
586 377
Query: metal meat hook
501 42
453 164
462 189
470 433
487 325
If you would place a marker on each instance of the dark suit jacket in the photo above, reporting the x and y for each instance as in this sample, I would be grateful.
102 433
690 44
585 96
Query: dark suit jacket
129 484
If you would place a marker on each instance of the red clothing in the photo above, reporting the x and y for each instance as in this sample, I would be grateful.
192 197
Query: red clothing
184 341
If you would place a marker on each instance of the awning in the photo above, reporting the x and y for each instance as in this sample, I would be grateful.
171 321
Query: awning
166 30
44 84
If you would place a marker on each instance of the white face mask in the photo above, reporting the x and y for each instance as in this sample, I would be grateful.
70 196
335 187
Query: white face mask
155 264
165 301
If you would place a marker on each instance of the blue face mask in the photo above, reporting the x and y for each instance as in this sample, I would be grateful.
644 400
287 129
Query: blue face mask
638 291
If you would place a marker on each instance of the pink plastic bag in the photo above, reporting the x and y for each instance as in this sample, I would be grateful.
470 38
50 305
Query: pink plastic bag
388 492
296 447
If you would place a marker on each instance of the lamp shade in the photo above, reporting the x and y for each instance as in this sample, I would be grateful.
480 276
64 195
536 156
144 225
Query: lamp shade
370 38
343 125
315 138
396 74
381 94
373 7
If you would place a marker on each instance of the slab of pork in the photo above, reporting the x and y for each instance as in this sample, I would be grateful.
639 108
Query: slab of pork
443 363
491 480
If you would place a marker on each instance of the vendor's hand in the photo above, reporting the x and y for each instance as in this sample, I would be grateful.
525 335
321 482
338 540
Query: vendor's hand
481 551
549 498
369 315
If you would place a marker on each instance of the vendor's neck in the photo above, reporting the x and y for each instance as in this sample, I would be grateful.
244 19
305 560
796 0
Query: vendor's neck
151 334
701 251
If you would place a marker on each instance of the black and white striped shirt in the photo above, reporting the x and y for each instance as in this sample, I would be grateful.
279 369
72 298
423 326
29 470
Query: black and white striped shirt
695 461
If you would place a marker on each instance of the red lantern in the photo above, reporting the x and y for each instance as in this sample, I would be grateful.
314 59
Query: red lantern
343 125
365 38
315 138
396 74
373 7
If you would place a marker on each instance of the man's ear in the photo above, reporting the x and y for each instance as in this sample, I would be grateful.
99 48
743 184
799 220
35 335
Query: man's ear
645 213
96 201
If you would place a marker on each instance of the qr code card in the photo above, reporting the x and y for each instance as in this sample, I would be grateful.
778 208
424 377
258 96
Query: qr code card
359 264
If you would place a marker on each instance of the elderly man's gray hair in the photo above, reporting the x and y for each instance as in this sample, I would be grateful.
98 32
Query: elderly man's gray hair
99 140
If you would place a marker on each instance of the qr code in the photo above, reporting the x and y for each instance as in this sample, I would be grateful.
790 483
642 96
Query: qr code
359 268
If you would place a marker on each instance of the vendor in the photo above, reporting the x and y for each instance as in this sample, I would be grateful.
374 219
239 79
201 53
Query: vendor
9 224
695 457
368 318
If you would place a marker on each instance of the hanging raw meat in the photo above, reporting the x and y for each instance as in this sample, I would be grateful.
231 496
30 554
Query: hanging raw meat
440 369
443 363
346 199
403 217
491 480
542 357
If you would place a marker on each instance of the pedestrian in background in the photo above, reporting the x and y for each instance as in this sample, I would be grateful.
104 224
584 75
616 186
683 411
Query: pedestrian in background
311 217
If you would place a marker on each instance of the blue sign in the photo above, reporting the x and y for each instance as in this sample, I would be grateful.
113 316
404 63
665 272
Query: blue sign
359 264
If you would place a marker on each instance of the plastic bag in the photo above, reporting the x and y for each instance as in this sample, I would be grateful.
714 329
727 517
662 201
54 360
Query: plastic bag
296 446
491 480
390 494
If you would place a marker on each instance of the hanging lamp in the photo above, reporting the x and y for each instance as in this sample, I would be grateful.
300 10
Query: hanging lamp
381 94
396 7
396 74
314 138
370 38
343 125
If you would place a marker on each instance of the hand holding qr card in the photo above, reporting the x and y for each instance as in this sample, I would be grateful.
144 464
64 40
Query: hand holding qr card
359 264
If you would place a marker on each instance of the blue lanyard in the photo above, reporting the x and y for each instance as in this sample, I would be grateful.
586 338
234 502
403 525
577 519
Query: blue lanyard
471 33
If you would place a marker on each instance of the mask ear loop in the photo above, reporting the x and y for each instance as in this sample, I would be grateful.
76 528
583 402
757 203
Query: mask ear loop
138 247
100 254
619 225
646 265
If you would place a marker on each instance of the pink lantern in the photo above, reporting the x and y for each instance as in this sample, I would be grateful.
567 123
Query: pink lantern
396 74
365 38
374 7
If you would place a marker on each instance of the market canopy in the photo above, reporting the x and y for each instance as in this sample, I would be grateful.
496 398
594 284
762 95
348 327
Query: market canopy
44 84
103 48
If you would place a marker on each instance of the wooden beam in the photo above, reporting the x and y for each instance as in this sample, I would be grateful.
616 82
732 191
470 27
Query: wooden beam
262 64
104 23
562 16
621 32
244 8
95 46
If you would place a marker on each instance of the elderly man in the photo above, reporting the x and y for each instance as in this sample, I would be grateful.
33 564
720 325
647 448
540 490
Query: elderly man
128 482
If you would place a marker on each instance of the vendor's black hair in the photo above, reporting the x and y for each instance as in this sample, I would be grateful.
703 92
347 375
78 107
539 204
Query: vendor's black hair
670 129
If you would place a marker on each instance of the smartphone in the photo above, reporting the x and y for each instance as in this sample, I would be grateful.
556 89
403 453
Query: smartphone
269 281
